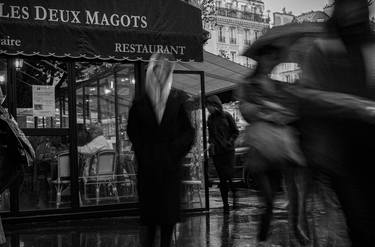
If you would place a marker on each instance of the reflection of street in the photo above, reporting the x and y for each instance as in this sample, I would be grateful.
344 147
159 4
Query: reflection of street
236 229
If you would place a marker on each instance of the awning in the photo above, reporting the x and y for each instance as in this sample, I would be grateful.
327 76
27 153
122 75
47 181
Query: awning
221 75
101 29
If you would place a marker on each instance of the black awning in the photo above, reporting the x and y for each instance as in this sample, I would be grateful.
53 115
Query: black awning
101 29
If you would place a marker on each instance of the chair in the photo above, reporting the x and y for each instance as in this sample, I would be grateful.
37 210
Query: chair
192 187
104 174
63 175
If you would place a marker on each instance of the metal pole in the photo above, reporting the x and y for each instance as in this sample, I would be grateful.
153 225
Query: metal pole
74 189
204 133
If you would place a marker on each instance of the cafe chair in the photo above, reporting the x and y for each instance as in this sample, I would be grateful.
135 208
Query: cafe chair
63 175
104 175
192 188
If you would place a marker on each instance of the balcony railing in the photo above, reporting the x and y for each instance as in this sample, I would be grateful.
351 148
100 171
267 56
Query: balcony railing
244 15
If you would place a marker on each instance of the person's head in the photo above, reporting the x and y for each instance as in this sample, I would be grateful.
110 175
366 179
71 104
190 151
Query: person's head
95 131
160 68
350 18
213 104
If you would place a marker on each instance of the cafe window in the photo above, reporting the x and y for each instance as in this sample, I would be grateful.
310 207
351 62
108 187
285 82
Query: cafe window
47 183
42 92
107 170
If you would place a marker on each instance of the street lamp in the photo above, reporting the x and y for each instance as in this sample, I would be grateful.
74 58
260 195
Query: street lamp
18 63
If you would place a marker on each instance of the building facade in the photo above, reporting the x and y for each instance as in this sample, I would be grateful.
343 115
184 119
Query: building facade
235 26
290 72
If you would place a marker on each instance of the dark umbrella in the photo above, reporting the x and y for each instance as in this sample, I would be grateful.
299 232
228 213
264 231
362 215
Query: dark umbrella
290 40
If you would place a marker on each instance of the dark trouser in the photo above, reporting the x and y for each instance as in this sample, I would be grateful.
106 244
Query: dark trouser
224 166
356 198
166 232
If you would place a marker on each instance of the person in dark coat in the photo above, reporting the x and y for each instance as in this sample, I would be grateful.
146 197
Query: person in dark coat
162 134
222 131
338 147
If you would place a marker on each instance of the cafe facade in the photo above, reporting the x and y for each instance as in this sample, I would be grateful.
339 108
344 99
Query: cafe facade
69 66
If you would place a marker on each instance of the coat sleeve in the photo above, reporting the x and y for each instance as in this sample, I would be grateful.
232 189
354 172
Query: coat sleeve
133 127
210 130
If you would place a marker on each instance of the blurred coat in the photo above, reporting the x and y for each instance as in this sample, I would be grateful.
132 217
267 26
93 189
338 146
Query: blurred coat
339 146
159 150
15 151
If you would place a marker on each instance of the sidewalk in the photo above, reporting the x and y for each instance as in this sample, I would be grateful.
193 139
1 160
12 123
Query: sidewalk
237 229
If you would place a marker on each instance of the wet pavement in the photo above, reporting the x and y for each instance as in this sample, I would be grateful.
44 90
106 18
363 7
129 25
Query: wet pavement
236 229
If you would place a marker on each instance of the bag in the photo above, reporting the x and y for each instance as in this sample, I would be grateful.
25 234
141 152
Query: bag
275 143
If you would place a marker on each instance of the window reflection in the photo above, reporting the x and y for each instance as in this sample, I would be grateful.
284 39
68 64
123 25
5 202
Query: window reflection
42 94
47 183
107 174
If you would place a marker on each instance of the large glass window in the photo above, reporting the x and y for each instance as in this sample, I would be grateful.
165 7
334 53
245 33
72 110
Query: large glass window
42 93
107 171
42 106
47 182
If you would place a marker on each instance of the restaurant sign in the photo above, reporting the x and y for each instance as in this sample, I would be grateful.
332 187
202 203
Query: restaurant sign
96 29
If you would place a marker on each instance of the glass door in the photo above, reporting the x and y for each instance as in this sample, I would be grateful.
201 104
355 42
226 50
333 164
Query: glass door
107 169
194 183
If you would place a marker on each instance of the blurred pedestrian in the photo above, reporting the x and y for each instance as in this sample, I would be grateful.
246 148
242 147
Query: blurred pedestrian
16 153
223 131
338 146
273 143
162 134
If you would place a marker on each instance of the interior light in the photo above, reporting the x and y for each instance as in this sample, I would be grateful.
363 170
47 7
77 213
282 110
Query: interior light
2 78
18 63
133 81
107 91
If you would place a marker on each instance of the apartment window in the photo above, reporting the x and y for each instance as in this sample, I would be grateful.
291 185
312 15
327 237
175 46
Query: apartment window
223 54
232 35
243 8
256 32
247 37
228 5
233 55
221 35
218 4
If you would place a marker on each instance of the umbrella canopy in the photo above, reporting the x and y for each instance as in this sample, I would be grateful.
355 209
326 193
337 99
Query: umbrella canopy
289 40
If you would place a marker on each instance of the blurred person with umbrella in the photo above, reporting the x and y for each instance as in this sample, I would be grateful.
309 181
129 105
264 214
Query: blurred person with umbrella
305 189
337 119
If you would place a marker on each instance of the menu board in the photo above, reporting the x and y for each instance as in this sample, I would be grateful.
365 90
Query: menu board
43 101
